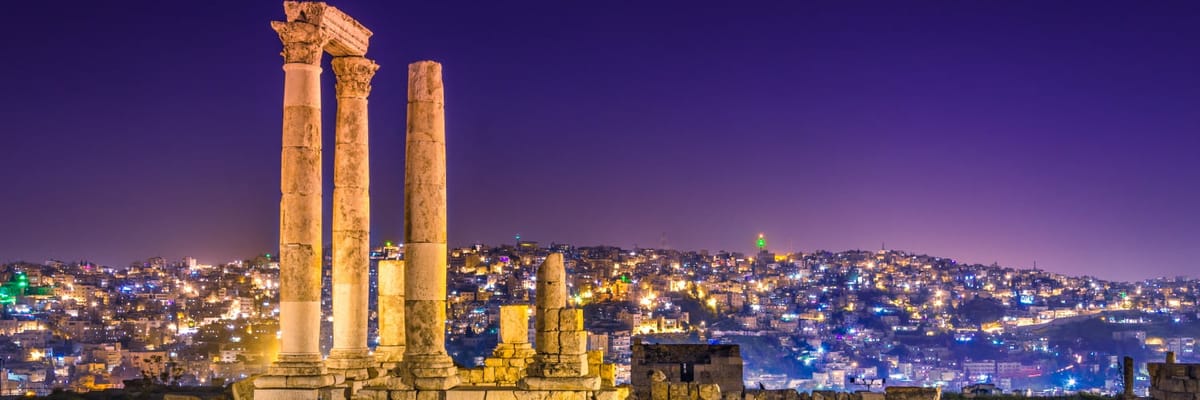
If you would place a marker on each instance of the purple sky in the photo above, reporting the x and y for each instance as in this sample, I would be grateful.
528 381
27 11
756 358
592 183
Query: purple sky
1008 131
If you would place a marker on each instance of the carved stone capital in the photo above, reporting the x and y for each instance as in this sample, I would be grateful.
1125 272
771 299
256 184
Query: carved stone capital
347 37
302 42
354 76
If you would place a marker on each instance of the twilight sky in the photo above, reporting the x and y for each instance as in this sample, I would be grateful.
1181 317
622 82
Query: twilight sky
1010 131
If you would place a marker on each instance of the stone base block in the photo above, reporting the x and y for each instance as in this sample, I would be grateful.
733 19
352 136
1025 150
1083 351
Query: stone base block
498 393
564 383
429 372
510 350
371 394
393 354
296 381
386 382
297 365
352 368
295 394
559 366
435 383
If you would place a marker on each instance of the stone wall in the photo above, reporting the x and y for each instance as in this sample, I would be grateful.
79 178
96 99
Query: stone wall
912 393
508 366
496 371
780 394
715 364
1170 381
597 366
663 390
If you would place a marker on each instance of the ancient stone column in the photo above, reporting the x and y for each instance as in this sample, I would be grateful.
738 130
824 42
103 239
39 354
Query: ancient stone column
561 361
514 334
390 351
300 211
514 325
426 364
351 219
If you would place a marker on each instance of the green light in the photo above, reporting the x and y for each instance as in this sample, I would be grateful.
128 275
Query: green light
388 243
624 278
761 242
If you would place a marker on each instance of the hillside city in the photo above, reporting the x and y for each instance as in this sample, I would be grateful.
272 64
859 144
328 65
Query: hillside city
850 320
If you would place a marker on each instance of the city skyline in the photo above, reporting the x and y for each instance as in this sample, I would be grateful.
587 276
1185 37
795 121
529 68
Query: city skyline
987 133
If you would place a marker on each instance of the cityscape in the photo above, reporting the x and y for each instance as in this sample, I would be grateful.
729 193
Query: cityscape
809 321
1026 169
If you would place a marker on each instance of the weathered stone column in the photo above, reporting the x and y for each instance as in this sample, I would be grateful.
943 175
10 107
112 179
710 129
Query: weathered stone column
300 212
426 364
561 361
390 351
351 219
514 348
514 325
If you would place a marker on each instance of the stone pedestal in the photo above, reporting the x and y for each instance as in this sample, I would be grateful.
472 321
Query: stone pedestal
350 356
426 364
295 377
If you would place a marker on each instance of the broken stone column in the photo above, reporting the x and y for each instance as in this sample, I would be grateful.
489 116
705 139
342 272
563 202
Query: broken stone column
299 363
426 363
512 355
514 344
514 325
561 361
351 219
390 351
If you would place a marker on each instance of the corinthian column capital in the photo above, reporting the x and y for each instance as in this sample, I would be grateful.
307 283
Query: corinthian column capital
354 75
302 42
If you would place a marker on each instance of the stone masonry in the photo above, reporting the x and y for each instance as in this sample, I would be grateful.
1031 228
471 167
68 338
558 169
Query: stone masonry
561 361
1171 381
390 351
511 356
705 364
411 360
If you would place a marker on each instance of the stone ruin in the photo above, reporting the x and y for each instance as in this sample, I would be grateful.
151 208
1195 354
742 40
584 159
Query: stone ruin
1172 381
411 361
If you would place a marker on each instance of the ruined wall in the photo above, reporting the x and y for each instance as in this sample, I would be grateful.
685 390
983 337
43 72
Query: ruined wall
663 390
1174 381
912 393
780 394
496 371
505 368
711 364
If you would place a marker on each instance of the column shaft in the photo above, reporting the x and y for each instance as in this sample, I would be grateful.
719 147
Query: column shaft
300 211
425 230
391 313
351 218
